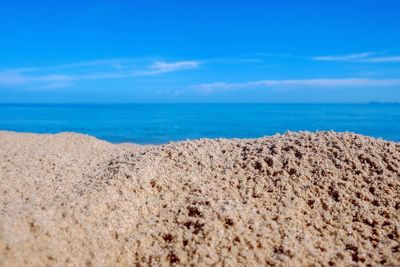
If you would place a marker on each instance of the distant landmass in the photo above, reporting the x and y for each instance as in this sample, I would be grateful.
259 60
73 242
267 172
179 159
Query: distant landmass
383 103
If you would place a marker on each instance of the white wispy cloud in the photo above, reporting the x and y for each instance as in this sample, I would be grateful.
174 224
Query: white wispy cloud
180 65
318 83
161 67
115 67
349 57
383 59
11 78
359 57
115 63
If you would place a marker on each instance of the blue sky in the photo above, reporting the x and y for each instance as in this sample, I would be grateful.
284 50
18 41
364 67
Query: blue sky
107 51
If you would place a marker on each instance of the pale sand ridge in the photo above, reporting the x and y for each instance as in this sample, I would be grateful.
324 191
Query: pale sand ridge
298 199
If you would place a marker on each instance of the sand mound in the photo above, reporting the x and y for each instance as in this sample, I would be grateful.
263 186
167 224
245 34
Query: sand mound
296 199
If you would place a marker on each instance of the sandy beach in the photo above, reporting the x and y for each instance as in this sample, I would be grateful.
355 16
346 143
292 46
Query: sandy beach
299 199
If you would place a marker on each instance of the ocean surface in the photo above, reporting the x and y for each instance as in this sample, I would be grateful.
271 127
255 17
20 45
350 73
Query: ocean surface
162 123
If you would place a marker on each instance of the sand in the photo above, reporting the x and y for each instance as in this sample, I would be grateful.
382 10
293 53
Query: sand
299 199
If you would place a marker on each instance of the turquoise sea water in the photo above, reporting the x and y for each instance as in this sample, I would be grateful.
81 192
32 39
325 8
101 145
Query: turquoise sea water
161 123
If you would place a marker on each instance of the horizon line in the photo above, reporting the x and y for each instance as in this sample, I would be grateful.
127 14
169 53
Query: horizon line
199 103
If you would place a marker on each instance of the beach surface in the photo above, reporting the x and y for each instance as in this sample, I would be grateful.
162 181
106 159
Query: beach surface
298 199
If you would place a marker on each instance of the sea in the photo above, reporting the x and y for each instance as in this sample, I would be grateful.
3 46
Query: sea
163 123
